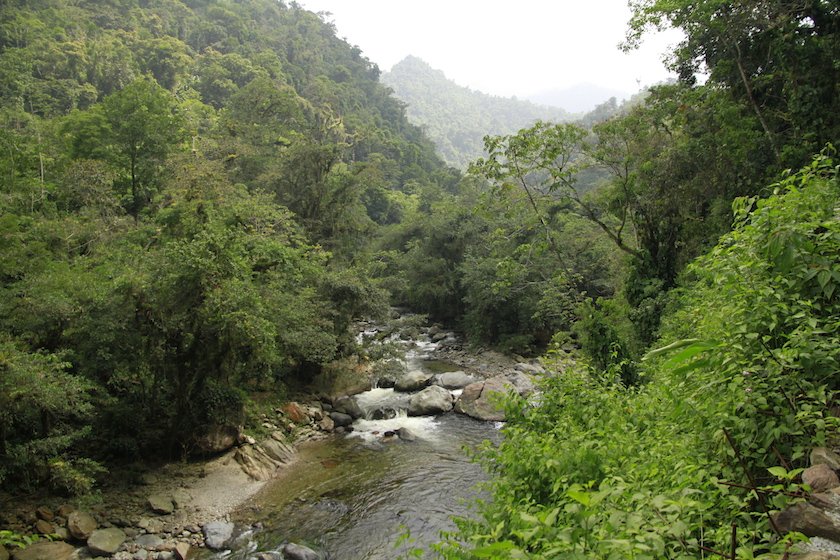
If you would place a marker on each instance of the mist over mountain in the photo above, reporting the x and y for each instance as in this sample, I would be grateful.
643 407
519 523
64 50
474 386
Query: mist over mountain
578 98
457 118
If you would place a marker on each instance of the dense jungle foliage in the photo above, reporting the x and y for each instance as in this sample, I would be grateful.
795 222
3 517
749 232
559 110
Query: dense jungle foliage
711 367
189 191
199 197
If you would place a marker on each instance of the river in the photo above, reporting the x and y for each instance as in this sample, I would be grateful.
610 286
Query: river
352 497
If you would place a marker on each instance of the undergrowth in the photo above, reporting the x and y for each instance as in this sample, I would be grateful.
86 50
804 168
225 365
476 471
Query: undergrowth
692 462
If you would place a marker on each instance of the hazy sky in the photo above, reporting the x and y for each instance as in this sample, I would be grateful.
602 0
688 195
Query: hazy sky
503 47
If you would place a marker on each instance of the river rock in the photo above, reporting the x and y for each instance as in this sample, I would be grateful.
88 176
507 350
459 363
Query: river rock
103 542
65 510
405 434
44 527
279 451
532 369
148 541
413 381
217 534
808 520
217 439
384 413
482 400
340 419
44 513
521 382
182 550
180 499
151 525
256 462
455 380
349 406
825 456
294 551
81 525
326 424
295 412
45 551
386 381
820 477
161 504
431 400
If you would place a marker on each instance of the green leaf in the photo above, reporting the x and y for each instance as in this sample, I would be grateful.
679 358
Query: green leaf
778 472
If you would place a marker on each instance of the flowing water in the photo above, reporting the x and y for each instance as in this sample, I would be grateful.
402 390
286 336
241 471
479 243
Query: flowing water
353 496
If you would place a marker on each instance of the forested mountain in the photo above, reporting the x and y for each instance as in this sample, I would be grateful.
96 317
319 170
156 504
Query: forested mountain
457 118
198 198
188 194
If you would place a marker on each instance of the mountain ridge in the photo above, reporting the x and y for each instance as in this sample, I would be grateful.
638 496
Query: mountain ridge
456 118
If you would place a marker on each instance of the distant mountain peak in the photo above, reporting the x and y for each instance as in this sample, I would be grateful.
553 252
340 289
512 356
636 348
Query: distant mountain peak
455 117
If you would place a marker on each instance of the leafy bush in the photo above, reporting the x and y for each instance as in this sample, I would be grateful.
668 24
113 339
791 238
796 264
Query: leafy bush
74 477
676 467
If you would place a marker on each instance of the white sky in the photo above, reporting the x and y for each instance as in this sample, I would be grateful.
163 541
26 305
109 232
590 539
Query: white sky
504 47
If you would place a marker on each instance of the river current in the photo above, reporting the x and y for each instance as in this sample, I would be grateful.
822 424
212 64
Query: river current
353 496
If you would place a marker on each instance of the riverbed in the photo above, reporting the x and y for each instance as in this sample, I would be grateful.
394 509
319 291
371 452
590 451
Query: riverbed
372 494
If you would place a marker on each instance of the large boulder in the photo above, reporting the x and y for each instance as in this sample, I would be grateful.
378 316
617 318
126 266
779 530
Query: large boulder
348 406
217 534
808 520
278 450
482 400
340 419
413 381
294 551
431 400
217 439
81 525
45 551
256 462
104 542
455 379
820 477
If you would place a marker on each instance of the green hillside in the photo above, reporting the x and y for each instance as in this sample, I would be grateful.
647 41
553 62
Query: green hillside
457 118
189 190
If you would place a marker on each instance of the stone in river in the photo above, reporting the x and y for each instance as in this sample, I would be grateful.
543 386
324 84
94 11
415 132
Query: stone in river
431 400
413 381
45 551
81 525
482 400
104 542
455 379
217 534
294 551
